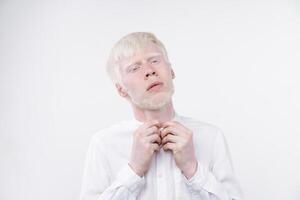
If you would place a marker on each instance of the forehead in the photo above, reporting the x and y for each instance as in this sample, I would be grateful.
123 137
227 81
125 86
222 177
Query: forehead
139 55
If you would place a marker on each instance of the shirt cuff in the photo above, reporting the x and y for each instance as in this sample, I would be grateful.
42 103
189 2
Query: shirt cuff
204 180
129 179
199 179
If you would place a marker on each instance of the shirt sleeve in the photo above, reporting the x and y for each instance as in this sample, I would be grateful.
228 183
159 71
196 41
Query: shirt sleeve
217 182
96 180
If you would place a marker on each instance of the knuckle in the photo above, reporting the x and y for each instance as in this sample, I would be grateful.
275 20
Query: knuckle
159 139
152 129
164 133
166 138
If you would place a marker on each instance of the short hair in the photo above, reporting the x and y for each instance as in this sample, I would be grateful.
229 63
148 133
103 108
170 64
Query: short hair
126 47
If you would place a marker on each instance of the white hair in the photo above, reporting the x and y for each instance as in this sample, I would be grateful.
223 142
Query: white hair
126 47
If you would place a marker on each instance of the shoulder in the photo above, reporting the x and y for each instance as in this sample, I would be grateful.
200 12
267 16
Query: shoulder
198 124
201 129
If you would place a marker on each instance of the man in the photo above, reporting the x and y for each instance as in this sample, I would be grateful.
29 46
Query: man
158 154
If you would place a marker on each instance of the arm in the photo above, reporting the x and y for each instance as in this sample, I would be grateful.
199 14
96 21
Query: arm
219 183
96 183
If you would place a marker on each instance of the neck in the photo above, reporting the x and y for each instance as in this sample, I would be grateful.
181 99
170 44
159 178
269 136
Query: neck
163 114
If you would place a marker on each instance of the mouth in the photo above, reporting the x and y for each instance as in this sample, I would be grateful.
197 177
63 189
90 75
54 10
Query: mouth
154 85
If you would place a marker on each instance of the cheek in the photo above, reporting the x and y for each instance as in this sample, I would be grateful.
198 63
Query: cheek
135 80
128 81
165 70
134 87
166 75
133 83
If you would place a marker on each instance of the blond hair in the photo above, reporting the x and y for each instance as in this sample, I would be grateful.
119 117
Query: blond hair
126 47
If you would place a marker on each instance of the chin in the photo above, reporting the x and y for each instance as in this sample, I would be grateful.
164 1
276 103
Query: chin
155 102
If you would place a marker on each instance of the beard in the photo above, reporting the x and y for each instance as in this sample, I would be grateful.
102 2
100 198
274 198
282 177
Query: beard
154 101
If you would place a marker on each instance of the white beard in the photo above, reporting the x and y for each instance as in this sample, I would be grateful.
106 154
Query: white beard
155 101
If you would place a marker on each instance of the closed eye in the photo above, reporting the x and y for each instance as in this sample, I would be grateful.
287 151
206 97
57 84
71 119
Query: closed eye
134 68
155 60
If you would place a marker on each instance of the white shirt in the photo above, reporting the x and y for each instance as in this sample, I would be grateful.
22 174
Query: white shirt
108 176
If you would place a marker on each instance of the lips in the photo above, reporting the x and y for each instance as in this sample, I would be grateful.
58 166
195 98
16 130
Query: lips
154 84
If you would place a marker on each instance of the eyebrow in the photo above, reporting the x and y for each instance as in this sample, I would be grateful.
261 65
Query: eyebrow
151 56
130 65
154 56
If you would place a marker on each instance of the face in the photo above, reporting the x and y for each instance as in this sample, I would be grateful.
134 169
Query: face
147 79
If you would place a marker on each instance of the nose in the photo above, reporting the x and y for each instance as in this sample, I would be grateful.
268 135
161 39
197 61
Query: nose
153 73
150 71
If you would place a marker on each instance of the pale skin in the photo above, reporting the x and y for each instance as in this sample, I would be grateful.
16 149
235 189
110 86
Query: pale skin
138 72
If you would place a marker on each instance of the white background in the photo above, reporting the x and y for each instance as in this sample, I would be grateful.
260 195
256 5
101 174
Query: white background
237 66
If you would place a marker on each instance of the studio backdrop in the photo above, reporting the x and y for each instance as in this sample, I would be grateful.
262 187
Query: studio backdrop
236 65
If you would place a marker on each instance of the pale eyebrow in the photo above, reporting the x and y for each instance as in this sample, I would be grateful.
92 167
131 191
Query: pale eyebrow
156 55
130 65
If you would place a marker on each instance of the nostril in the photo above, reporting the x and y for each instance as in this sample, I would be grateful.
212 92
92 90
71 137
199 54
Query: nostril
148 74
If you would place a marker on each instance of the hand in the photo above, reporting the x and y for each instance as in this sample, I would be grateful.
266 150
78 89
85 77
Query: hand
179 140
146 142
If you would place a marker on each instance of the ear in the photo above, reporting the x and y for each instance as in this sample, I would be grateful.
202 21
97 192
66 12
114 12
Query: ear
173 74
121 90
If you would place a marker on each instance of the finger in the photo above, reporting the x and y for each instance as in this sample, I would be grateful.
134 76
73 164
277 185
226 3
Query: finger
169 146
170 138
171 130
155 147
160 129
155 138
168 123
159 124
150 131
174 124
164 132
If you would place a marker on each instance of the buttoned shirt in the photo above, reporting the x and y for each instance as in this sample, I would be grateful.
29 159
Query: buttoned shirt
107 175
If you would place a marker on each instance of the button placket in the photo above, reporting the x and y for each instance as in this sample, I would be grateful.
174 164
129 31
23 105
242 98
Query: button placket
159 175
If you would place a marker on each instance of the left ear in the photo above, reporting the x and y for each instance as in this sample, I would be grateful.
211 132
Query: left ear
121 90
